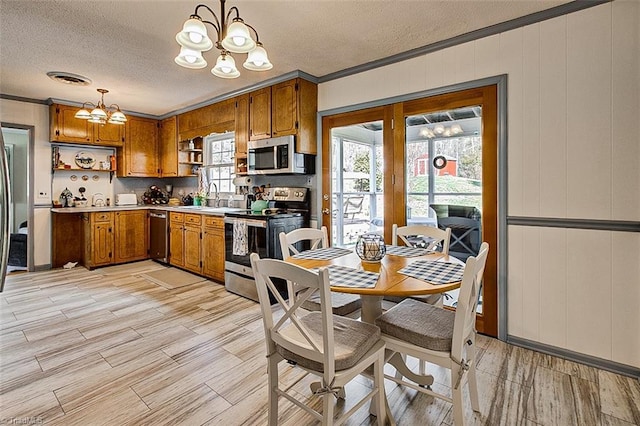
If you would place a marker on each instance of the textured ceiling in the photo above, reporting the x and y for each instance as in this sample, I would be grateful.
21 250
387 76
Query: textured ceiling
128 46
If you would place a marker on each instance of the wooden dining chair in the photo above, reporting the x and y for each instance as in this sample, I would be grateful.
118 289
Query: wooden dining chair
437 238
440 336
334 348
430 237
342 303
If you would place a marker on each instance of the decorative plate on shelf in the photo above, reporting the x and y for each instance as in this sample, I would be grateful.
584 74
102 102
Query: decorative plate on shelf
84 160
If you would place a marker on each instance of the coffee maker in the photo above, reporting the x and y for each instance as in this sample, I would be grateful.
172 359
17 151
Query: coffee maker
242 198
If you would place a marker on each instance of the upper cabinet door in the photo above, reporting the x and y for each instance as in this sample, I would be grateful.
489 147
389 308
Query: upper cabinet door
260 114
140 148
242 132
109 134
168 147
65 127
284 110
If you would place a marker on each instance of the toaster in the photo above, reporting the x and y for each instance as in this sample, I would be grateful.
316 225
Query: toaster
126 200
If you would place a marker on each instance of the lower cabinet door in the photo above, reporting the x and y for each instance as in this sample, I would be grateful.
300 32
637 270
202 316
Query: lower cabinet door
102 244
192 238
213 253
176 244
131 235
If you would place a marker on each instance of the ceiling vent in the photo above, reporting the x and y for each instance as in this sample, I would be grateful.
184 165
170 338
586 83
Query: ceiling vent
68 78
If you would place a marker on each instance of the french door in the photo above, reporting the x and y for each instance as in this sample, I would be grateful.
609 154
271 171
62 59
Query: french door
427 160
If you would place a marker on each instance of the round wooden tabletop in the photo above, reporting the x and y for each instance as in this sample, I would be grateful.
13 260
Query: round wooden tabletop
390 282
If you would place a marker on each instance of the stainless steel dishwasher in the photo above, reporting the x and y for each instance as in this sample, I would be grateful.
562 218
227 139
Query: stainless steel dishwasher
158 236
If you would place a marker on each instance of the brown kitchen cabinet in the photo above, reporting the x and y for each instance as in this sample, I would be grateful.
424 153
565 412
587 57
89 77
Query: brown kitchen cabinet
192 242
184 241
67 243
168 147
260 114
64 127
131 235
213 247
98 239
139 155
215 118
287 108
176 239
241 133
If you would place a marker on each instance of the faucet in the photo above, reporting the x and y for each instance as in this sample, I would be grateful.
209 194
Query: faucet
217 196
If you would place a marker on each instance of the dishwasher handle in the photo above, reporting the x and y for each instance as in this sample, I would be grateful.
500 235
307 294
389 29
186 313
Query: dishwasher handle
158 215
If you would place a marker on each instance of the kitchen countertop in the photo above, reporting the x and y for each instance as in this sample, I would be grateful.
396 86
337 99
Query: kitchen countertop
211 211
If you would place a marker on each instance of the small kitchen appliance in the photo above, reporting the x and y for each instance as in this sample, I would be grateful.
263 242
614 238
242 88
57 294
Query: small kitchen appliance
126 199
278 156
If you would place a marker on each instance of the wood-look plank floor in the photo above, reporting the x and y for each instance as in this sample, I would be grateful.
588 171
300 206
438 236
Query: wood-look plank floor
81 347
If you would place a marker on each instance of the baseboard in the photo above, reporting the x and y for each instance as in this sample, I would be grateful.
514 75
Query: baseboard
604 364
44 267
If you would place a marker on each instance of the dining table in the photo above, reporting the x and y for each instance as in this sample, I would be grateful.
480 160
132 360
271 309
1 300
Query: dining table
390 281
393 275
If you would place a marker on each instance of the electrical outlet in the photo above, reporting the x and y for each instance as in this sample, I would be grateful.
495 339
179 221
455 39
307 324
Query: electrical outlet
43 194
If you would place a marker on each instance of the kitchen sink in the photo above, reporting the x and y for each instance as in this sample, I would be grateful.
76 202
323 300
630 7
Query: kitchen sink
220 209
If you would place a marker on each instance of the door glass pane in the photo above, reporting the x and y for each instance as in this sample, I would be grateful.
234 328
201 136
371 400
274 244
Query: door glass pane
356 177
444 177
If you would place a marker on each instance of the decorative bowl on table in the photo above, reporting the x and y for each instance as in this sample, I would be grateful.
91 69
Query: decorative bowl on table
370 247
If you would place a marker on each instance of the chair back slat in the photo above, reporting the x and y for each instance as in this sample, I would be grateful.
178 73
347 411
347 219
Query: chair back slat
468 300
439 236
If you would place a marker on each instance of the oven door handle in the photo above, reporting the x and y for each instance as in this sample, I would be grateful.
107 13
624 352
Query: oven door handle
250 222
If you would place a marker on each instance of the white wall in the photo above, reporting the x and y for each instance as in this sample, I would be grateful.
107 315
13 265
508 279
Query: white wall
573 152
38 116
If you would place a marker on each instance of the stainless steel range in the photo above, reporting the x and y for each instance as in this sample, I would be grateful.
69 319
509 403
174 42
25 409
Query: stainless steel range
257 232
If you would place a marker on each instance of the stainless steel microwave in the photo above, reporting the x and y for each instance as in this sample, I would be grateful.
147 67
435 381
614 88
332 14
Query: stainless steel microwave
278 156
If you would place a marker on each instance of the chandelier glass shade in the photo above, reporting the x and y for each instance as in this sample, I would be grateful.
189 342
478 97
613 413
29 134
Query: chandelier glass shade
225 66
234 37
100 113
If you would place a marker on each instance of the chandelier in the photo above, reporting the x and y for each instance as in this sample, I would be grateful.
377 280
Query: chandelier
230 38
100 113
440 130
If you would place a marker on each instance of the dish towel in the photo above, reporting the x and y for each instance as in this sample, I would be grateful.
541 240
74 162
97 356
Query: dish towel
240 244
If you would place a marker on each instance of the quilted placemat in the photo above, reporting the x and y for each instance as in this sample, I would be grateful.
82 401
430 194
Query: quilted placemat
322 253
405 251
341 276
434 272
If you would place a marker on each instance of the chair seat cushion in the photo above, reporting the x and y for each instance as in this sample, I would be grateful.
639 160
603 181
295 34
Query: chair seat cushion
341 303
352 340
420 324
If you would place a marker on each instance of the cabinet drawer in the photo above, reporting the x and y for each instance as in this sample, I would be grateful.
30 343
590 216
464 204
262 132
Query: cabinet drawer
194 219
176 217
102 217
213 222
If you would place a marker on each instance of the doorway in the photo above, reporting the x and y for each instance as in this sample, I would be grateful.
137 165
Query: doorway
440 163
18 149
